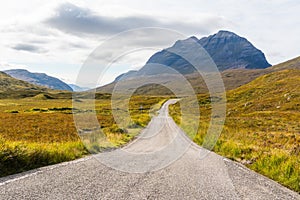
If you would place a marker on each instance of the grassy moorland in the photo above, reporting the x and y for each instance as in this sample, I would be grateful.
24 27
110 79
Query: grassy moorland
40 130
262 128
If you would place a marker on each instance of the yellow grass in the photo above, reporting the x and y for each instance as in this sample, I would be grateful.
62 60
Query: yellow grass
262 127
35 132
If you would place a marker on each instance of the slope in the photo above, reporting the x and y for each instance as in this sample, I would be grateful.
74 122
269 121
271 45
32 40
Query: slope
238 60
232 78
14 88
262 129
40 79
290 64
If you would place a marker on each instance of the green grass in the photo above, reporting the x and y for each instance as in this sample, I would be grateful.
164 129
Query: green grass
21 156
262 129
35 132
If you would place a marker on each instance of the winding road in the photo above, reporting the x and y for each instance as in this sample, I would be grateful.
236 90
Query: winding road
162 163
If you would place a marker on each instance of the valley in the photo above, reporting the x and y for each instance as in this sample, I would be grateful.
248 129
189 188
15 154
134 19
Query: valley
261 130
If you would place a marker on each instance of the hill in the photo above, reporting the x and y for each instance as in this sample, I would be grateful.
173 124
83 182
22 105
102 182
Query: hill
273 92
227 49
40 79
267 138
233 78
290 64
14 88
261 129
237 59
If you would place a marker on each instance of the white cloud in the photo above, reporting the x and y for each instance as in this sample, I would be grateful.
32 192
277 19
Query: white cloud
76 20
61 45
5 66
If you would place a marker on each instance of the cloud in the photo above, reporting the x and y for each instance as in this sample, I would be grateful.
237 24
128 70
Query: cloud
71 31
72 19
78 45
7 66
28 47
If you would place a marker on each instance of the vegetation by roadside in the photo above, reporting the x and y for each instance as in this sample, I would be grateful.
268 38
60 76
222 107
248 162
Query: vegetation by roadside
262 129
35 132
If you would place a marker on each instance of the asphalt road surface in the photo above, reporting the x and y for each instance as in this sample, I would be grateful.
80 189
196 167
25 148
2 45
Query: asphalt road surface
162 163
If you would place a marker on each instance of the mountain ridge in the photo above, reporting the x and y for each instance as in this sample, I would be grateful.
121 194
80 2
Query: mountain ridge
233 51
232 78
227 49
14 88
40 79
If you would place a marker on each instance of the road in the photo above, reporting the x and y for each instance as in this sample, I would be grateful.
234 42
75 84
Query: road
162 163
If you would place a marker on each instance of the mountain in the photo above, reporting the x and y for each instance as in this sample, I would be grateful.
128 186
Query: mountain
230 51
77 88
237 59
232 78
128 74
290 64
40 79
13 88
227 49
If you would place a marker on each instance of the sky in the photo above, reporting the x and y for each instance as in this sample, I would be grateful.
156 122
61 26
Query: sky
56 37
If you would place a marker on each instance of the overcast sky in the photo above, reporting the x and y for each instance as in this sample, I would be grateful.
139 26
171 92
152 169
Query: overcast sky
57 37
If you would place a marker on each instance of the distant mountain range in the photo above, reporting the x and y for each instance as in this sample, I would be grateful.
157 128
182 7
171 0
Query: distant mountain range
77 88
14 88
232 78
40 79
237 59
